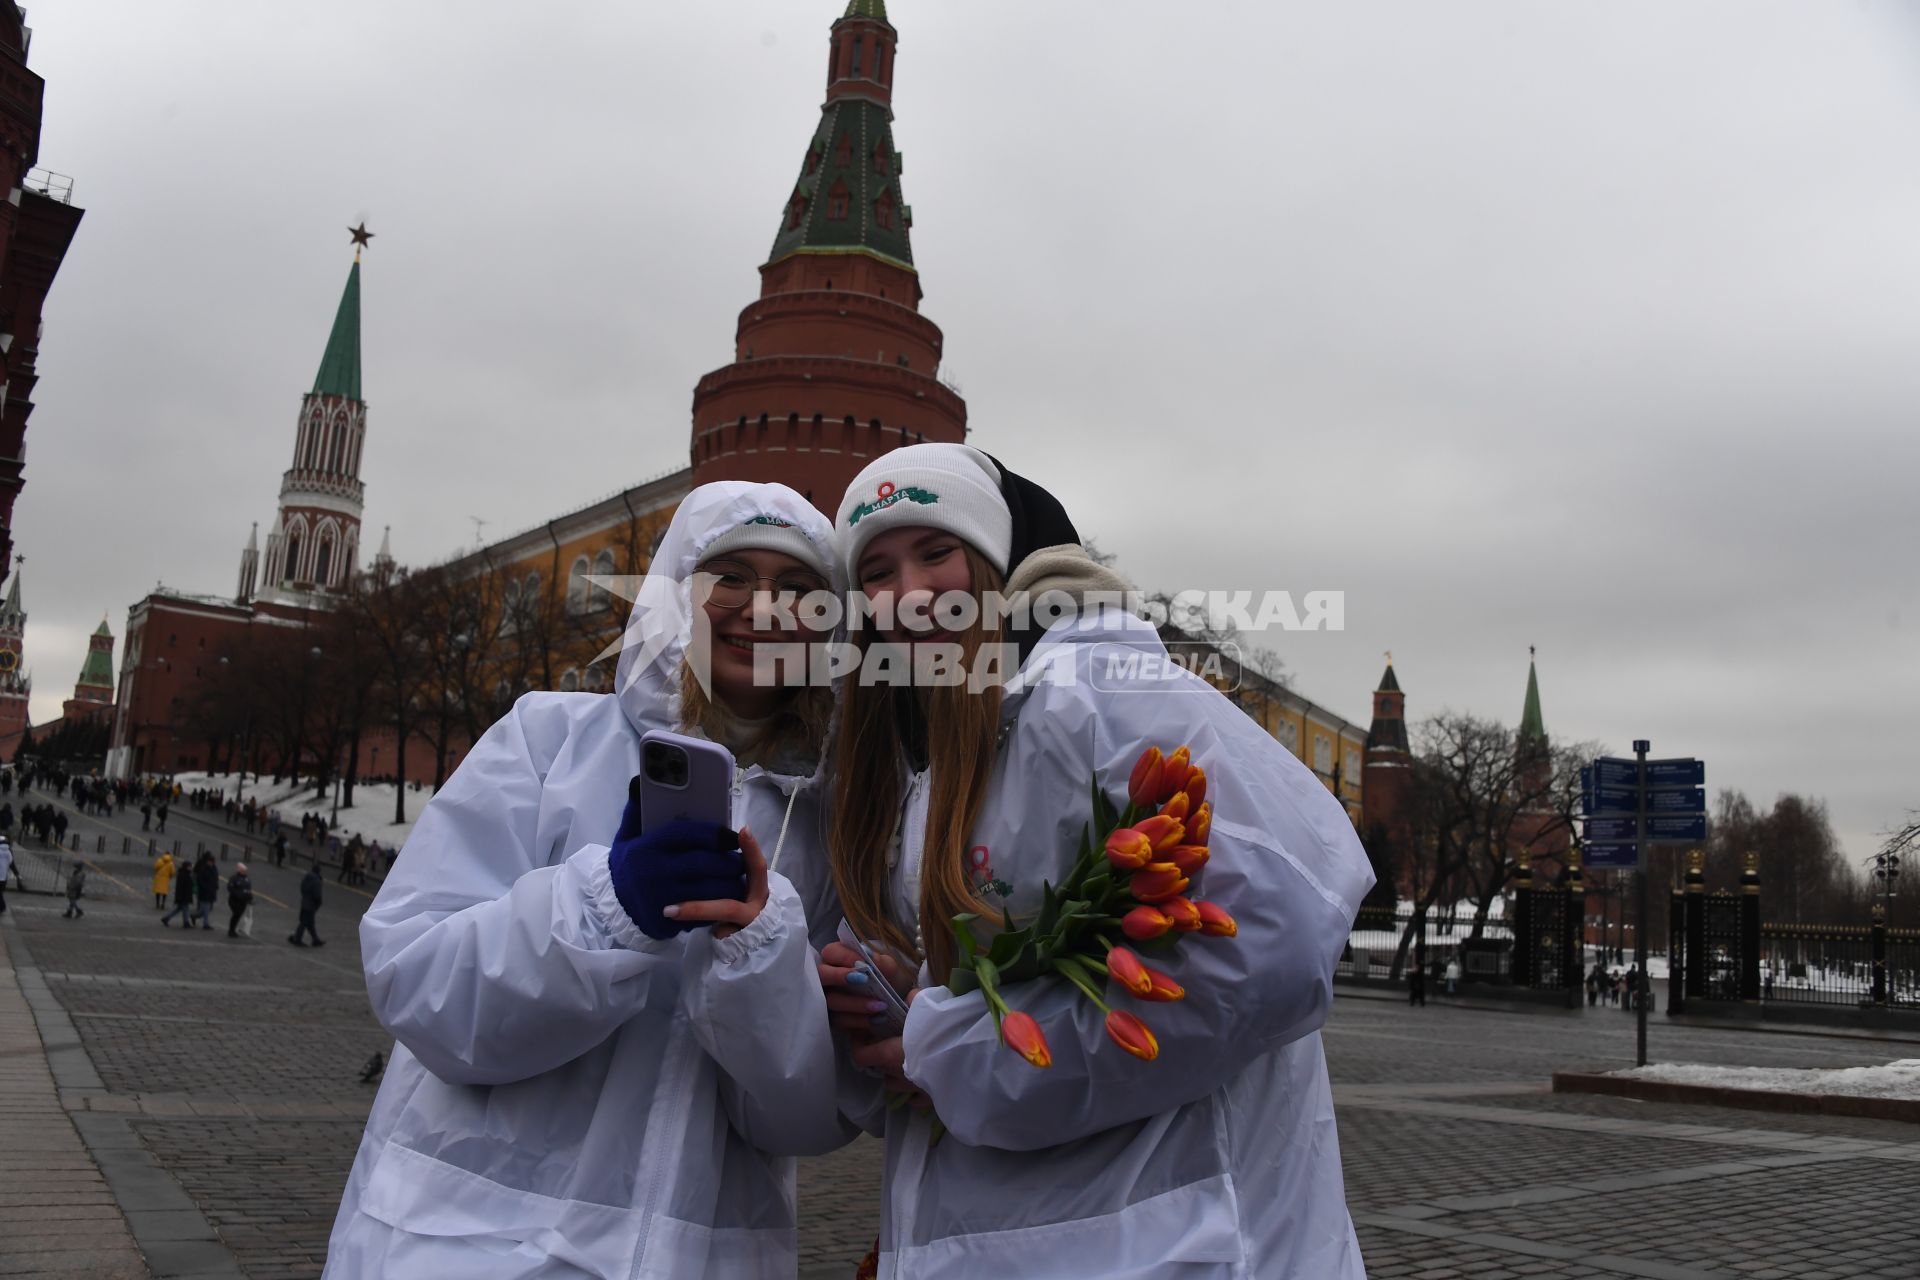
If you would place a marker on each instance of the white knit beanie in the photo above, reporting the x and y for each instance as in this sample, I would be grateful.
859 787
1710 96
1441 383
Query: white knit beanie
770 533
954 487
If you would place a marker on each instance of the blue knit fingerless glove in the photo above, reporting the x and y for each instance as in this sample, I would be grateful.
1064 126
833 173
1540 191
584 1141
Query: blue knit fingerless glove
680 862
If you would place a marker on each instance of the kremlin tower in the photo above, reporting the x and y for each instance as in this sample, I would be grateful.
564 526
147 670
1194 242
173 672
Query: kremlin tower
833 364
314 548
16 687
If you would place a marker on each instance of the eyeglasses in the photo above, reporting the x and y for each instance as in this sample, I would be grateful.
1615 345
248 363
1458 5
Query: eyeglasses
731 585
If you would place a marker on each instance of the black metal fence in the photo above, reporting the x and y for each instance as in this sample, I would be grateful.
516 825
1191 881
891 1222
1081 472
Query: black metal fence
1484 952
1847 965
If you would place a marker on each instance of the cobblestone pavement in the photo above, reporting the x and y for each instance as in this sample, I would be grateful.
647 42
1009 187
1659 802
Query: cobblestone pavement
228 1069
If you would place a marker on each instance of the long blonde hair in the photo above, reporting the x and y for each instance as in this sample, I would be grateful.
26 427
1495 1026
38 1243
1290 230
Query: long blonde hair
962 740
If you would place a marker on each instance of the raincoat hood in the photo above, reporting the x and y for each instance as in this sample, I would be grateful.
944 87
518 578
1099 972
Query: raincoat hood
660 626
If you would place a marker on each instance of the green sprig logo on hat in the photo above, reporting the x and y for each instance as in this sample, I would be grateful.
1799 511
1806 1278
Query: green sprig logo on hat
887 496
775 521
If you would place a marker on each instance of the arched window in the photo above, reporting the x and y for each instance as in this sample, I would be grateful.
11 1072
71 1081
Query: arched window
603 568
510 607
502 693
843 150
596 680
796 210
881 156
338 459
883 210
577 585
570 682
859 53
838 201
813 157
323 562
530 594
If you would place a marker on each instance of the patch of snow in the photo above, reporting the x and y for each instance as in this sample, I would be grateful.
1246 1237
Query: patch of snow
1899 1079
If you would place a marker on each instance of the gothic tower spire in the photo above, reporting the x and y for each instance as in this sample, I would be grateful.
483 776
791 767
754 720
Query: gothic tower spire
834 364
315 543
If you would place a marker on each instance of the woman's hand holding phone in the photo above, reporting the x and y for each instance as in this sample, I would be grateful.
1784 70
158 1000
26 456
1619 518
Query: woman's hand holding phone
858 1008
673 864
728 915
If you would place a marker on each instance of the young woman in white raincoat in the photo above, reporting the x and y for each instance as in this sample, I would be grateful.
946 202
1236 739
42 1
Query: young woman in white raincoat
1217 1159
552 1108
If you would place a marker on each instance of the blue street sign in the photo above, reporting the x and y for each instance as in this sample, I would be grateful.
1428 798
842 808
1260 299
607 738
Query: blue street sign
1611 828
1610 771
1690 800
1609 800
1676 773
1619 857
1685 828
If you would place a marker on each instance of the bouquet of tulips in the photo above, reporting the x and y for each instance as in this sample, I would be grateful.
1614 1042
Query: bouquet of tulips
1129 887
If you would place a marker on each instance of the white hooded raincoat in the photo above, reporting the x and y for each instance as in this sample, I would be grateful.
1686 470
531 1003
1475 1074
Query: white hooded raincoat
552 1108
1217 1160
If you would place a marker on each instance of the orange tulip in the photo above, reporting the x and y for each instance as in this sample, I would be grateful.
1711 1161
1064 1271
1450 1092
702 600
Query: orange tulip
1188 857
1214 922
1161 831
1149 772
1023 1036
1143 924
1161 989
1196 791
1202 825
1156 882
1177 807
1132 1035
1186 916
1125 968
1128 849
1173 776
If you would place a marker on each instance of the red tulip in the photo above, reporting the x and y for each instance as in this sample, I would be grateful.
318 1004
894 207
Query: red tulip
1143 924
1177 807
1196 791
1132 1035
1161 989
1149 772
1156 882
1161 831
1125 968
1023 1036
1173 776
1188 857
1186 916
1202 825
1129 850
1214 922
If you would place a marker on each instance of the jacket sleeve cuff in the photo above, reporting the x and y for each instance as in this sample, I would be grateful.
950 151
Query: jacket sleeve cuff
783 905
604 906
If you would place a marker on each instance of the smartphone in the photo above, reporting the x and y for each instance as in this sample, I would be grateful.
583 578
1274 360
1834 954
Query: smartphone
682 778
876 980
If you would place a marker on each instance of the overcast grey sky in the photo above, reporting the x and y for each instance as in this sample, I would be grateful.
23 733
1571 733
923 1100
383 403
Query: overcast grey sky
1590 326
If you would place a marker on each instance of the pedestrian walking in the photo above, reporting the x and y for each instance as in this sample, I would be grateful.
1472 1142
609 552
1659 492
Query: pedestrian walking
76 886
280 849
206 888
1453 977
311 886
1416 986
239 897
161 813
6 868
146 815
1593 986
182 895
162 879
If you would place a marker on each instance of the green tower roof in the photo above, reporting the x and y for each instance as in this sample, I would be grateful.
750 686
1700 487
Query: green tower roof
1531 725
848 198
340 367
868 9
103 629
98 669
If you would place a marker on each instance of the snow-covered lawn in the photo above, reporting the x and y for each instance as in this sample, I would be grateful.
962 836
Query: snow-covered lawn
370 816
1899 1079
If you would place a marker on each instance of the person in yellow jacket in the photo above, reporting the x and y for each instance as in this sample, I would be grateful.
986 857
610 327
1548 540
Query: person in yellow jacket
162 880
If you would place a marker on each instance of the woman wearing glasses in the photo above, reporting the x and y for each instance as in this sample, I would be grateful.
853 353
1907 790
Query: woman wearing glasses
557 979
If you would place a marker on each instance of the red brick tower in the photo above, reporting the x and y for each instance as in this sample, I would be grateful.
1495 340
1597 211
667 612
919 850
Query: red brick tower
93 691
36 227
834 364
315 544
16 686
1386 787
